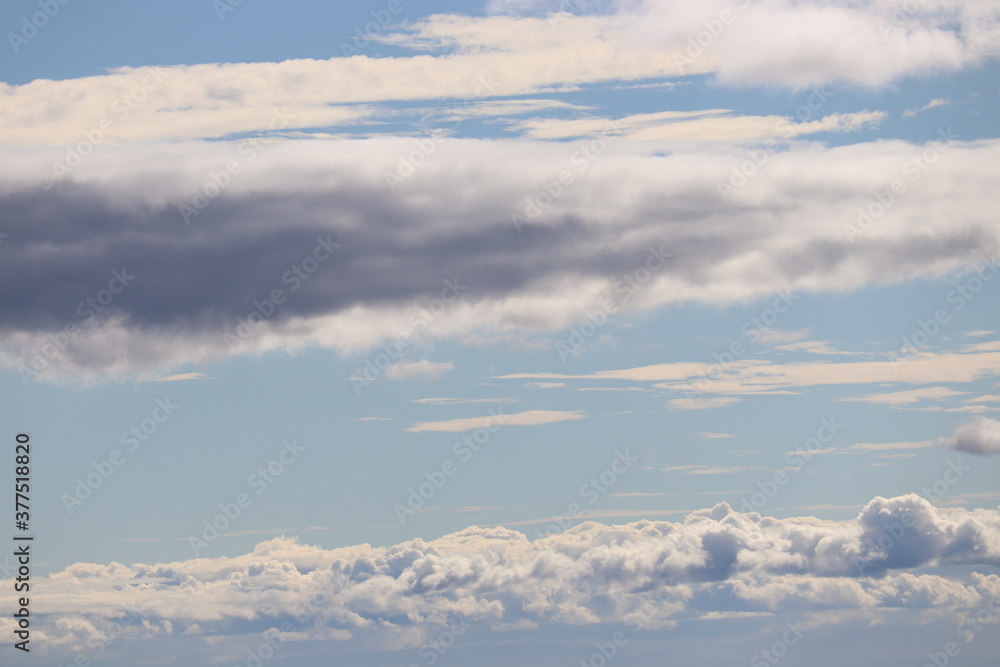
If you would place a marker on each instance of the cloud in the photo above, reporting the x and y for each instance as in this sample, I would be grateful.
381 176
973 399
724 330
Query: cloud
527 418
811 347
709 125
780 43
759 376
709 434
543 385
180 377
882 446
701 403
637 494
464 401
709 470
375 419
979 435
890 558
428 370
769 336
119 211
936 102
907 397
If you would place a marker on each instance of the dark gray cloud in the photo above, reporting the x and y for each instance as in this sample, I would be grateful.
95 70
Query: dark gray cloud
452 219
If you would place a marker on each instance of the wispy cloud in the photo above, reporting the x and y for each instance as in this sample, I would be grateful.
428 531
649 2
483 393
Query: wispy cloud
709 470
907 397
428 370
882 446
936 102
701 403
180 377
527 418
464 401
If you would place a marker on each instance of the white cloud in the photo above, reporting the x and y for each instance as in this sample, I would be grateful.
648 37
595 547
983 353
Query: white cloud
709 434
769 336
936 102
979 435
710 125
698 403
812 347
527 418
429 370
464 401
758 376
776 43
709 470
881 446
647 573
179 377
907 397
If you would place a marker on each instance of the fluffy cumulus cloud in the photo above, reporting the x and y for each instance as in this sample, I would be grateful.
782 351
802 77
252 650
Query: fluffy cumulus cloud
648 574
979 435
133 265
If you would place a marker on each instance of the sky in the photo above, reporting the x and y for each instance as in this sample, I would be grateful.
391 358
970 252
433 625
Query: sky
597 332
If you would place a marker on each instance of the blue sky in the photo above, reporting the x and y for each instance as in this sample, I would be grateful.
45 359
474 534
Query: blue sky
542 326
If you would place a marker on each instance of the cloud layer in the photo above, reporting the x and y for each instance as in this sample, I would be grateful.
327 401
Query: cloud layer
356 265
647 573
783 43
